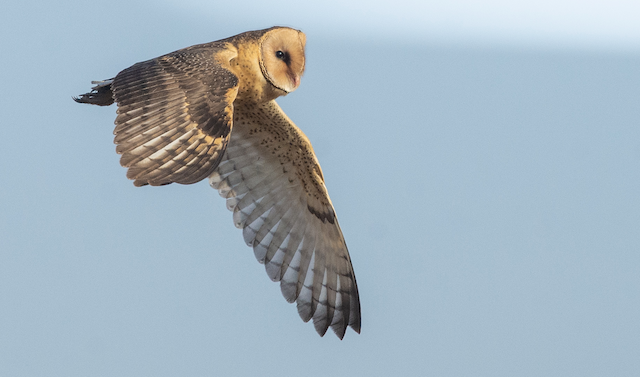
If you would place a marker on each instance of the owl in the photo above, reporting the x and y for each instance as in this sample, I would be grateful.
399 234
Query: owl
209 111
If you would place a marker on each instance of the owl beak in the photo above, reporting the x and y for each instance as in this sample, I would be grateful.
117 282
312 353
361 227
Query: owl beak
295 80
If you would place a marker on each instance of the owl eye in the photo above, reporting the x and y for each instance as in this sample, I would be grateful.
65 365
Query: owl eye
280 55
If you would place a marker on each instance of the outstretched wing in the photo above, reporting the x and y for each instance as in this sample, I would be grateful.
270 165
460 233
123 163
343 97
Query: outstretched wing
273 184
175 114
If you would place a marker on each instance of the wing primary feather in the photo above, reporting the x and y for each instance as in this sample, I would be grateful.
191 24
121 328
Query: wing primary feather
320 315
288 282
305 297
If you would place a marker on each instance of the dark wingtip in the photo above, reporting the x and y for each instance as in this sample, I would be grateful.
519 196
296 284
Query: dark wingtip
340 331
355 323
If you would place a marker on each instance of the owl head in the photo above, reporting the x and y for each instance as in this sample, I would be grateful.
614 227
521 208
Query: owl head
282 57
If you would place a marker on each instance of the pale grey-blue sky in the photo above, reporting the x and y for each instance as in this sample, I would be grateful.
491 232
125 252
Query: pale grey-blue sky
594 24
489 197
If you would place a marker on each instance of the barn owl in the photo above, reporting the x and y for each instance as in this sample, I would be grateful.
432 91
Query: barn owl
209 110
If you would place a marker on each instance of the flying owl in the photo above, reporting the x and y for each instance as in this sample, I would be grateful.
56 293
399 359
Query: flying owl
209 110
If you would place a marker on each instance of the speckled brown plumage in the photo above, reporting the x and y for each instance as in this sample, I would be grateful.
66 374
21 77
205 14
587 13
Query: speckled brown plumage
209 111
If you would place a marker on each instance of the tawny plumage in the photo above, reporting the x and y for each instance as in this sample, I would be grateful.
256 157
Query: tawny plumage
209 111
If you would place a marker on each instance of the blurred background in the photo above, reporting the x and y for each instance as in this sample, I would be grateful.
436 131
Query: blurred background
483 159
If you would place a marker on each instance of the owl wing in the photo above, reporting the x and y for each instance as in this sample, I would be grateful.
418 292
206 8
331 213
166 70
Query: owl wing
175 114
274 186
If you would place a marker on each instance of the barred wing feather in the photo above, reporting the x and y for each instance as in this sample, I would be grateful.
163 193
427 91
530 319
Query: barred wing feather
175 113
289 220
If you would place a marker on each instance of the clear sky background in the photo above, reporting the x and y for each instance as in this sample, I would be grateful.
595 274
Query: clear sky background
483 159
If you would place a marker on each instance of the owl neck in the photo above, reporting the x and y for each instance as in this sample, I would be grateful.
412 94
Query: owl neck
252 85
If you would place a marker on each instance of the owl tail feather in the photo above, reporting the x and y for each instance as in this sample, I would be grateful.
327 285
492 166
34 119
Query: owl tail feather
100 94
